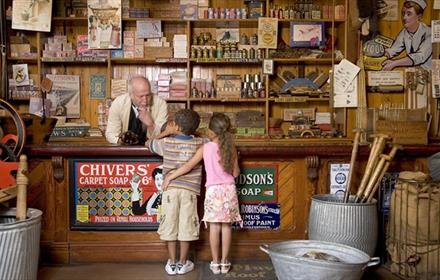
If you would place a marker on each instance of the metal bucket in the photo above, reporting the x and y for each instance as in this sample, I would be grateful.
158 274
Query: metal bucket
290 265
19 245
352 224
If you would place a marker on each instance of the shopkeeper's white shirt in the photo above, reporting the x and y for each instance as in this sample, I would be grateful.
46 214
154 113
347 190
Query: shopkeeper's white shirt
119 116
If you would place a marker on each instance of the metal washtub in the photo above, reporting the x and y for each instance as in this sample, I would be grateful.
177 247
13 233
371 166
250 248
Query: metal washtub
19 244
290 265
352 224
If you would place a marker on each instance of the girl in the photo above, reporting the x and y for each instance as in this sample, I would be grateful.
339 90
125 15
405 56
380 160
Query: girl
221 203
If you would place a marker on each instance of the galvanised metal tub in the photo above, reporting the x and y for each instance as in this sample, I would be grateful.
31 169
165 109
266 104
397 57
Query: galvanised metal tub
289 263
19 244
352 224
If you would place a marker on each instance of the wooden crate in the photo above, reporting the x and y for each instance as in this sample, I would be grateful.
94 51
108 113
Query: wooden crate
405 132
405 126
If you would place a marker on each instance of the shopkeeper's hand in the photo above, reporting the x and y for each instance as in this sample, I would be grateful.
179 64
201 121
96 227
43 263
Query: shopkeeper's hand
145 116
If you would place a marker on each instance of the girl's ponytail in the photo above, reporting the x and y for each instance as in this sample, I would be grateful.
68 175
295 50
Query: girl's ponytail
221 125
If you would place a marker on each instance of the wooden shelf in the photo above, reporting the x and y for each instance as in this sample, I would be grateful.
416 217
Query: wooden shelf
298 99
312 20
70 19
145 61
202 61
176 99
307 60
213 23
23 59
73 61
166 20
228 100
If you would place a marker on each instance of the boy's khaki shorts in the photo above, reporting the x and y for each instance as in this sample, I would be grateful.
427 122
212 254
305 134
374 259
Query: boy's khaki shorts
179 219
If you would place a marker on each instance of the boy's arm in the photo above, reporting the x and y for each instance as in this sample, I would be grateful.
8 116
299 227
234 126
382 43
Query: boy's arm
187 167
170 129
155 146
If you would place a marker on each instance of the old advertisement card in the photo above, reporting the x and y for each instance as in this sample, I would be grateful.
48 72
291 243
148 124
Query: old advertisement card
33 15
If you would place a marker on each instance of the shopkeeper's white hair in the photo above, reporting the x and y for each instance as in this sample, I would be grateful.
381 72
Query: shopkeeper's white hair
133 77
421 3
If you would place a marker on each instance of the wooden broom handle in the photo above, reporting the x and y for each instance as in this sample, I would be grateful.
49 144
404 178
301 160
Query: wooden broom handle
354 153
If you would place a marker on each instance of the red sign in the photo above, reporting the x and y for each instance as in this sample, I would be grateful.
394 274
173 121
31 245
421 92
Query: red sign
115 193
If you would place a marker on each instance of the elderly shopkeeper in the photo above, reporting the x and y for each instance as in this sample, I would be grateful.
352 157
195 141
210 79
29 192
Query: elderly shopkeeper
138 111
414 39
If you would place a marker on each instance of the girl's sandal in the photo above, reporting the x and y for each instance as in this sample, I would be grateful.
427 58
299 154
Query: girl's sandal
225 267
215 267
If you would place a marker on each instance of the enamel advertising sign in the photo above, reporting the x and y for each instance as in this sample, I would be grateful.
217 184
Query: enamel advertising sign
115 193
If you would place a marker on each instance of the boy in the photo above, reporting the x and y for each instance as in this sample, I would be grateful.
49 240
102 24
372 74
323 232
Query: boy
179 219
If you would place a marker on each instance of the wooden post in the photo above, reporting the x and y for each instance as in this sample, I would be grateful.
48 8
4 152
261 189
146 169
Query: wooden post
22 182
352 163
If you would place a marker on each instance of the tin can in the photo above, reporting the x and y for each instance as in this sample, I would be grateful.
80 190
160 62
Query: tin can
212 53
244 53
244 13
205 53
238 13
252 53
219 51
232 13
260 53
254 39
222 13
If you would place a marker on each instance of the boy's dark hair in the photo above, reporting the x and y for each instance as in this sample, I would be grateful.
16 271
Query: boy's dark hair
187 120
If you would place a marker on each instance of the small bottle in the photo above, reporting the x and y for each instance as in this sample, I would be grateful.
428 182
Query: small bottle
251 53
244 14
280 13
238 13
291 13
286 13
219 51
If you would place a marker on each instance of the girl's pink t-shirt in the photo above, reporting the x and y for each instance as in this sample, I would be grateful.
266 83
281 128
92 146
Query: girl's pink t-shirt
215 174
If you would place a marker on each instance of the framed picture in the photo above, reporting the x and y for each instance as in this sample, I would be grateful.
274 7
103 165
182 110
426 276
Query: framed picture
227 35
307 34
268 67
118 193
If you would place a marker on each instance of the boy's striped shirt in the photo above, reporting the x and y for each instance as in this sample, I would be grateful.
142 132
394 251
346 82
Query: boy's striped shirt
176 151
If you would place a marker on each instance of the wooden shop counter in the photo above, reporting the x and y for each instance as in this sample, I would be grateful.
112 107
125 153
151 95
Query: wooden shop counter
301 169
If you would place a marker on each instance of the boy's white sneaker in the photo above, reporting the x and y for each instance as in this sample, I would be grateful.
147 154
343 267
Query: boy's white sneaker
171 268
185 268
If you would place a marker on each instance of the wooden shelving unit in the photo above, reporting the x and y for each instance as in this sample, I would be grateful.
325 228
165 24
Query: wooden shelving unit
270 106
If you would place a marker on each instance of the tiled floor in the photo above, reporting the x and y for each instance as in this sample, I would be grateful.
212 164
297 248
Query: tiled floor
150 271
